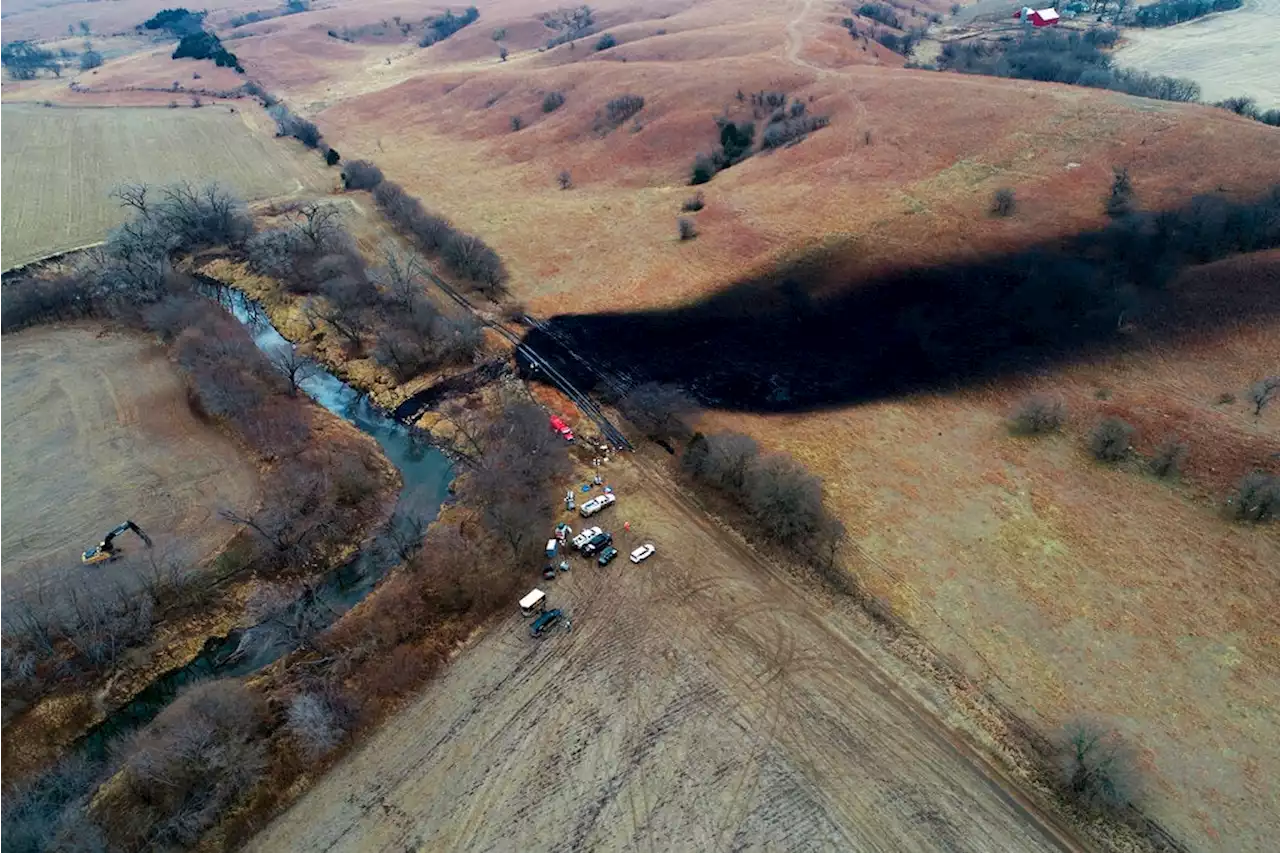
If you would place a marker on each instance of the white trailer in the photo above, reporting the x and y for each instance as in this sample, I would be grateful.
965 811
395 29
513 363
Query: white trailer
534 602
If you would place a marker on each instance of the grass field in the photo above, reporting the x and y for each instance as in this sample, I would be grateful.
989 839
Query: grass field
1228 54
97 430
60 164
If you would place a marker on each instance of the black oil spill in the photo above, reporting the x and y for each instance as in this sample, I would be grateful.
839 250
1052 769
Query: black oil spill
785 342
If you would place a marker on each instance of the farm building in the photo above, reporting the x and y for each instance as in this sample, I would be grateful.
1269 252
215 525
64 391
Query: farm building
1044 17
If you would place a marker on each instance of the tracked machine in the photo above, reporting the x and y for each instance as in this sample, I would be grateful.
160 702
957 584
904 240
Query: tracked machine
107 551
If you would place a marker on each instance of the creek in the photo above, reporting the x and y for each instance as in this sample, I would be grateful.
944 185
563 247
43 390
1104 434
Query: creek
425 473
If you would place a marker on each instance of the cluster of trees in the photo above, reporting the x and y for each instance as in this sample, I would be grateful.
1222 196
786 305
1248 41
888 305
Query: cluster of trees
384 312
1062 57
465 256
206 45
441 27
23 60
552 101
292 7
899 43
1248 108
605 42
785 125
289 123
782 500
881 12
1166 13
178 21
569 24
618 110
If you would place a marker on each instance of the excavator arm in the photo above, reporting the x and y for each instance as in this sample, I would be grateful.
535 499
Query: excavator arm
106 550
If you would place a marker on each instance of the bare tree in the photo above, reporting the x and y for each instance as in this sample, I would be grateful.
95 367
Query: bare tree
132 195
293 612
1097 770
321 225
660 411
785 500
722 459
294 366
565 179
686 228
314 724
1169 458
1003 202
1263 392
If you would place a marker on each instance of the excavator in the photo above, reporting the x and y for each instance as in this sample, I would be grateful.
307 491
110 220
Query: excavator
107 551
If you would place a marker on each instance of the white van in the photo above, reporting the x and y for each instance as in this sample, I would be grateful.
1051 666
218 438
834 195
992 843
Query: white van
532 603
596 504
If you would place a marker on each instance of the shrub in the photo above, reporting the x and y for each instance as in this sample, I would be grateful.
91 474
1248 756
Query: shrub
1168 459
693 204
1003 203
516 123
90 59
360 175
703 170
686 228
331 156
1110 440
1120 201
564 179
288 124
621 108
1257 497
1038 415
552 101
185 770
606 41
1097 770
316 724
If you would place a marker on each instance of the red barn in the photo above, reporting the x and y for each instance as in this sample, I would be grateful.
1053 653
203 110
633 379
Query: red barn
1044 18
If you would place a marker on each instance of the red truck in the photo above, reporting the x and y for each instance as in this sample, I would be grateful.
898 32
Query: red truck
561 427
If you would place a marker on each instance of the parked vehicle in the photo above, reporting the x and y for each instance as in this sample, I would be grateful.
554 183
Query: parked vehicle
642 553
597 503
552 546
549 573
534 602
586 536
545 622
607 555
597 542
561 427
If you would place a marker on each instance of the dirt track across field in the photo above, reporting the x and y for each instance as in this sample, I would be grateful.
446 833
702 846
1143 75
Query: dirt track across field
701 702
97 430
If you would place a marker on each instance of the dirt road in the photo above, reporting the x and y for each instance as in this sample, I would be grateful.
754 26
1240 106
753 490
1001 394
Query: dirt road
701 702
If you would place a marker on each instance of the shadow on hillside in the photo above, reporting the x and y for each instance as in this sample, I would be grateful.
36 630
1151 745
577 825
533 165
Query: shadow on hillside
787 341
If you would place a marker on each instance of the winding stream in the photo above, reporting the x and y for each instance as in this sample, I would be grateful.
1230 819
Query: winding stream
426 474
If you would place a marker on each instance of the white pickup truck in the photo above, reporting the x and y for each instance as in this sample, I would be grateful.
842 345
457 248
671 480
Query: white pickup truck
596 504
585 536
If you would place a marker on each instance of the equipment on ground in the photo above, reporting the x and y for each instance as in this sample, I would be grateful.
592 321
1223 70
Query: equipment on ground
534 602
607 555
553 546
544 622
107 550
642 553
549 572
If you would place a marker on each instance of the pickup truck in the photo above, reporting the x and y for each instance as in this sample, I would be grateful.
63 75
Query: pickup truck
597 503
586 536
